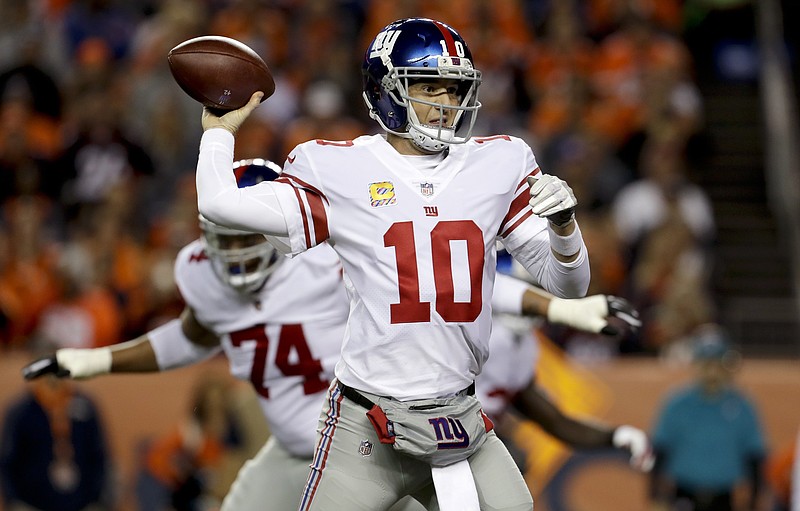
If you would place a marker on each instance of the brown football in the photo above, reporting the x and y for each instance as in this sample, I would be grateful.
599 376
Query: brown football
220 72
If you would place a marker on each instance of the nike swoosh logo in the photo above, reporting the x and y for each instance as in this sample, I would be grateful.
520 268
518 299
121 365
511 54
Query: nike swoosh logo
291 158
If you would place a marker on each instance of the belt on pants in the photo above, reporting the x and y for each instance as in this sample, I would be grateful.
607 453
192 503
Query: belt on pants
362 400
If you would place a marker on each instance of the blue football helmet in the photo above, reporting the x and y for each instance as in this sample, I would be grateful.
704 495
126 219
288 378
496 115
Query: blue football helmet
409 50
242 259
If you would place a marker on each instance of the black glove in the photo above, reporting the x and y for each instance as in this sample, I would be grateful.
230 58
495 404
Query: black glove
42 366
622 309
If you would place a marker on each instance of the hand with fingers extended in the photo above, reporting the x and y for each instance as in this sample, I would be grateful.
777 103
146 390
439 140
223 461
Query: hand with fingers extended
591 314
71 363
552 198
232 120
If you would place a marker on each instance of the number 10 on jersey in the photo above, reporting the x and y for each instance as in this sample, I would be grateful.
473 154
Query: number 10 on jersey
411 309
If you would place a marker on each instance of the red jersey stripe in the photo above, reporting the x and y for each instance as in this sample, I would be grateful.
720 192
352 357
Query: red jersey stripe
517 205
319 216
516 224
304 214
297 181
525 179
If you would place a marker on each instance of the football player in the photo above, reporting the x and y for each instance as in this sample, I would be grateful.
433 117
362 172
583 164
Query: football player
280 323
414 215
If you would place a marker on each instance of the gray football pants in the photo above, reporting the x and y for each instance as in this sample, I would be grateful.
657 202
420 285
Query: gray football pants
273 480
353 471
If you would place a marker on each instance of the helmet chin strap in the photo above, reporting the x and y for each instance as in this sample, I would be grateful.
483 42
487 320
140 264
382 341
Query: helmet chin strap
431 140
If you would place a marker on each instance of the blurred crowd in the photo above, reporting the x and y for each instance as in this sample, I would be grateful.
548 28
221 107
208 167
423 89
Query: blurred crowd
98 147
98 144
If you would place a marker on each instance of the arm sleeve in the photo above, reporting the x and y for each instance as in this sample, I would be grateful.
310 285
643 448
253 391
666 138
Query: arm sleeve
507 296
219 198
173 349
564 280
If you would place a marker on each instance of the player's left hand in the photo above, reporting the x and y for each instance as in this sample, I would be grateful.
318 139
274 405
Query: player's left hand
552 198
72 363
636 442
622 309
43 366
591 314
232 120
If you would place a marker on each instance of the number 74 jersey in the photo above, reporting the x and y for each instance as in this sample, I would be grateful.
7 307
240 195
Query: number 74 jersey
418 251
284 339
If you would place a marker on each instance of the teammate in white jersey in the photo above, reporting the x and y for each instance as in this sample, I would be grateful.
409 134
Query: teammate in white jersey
414 217
280 323
508 379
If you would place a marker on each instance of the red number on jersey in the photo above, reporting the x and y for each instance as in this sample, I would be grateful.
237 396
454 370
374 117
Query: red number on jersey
411 309
291 339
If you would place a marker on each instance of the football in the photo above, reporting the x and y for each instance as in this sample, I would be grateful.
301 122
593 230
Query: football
220 72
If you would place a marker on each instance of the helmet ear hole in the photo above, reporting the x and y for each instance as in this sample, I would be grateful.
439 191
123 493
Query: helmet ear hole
375 91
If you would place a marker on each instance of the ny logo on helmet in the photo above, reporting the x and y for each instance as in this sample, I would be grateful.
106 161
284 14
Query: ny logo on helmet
384 42
449 433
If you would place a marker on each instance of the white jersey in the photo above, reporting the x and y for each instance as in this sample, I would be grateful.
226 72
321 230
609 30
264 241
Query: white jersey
512 365
418 252
284 339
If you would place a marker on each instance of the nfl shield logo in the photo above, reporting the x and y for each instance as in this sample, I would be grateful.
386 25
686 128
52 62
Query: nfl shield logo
365 449
426 189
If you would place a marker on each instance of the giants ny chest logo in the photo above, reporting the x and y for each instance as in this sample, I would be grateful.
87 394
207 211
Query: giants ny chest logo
450 434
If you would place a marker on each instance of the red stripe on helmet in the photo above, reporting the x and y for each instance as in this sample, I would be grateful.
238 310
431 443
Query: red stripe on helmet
448 38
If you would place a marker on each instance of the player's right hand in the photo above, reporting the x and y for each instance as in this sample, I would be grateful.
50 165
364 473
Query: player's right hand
552 198
232 120
71 363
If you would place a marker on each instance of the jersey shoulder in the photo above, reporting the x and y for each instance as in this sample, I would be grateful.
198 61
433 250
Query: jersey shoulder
318 164
194 275
323 146
506 152
498 142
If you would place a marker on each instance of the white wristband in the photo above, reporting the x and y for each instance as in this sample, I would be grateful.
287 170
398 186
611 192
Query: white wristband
173 349
82 363
566 245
